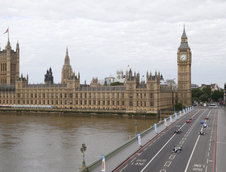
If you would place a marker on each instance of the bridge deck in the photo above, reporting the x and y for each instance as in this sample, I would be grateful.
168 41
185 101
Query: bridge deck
199 152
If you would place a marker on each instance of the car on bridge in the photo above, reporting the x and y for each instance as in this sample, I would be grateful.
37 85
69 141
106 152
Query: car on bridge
177 131
188 121
177 149
202 122
202 132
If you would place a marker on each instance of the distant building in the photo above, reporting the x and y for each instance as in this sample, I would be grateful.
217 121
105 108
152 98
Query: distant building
212 86
194 86
134 96
109 80
49 77
120 77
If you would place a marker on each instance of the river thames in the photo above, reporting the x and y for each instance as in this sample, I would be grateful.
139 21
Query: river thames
51 142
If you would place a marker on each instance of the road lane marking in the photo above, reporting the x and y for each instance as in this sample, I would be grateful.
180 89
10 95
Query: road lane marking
172 157
161 149
181 142
133 159
168 163
123 168
191 154
193 151
215 139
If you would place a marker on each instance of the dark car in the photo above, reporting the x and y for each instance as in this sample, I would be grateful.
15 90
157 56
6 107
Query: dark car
177 149
177 131
201 132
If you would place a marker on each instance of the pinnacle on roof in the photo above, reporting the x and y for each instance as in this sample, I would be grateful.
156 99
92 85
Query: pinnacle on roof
67 60
184 36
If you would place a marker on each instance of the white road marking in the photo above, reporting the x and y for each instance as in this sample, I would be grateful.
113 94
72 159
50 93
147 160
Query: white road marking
123 168
191 154
168 163
193 151
181 142
206 169
160 150
133 159
172 156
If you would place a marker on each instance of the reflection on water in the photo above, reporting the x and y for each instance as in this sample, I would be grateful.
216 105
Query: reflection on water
52 142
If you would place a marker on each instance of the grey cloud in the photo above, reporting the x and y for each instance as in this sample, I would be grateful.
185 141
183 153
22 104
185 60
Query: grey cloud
106 35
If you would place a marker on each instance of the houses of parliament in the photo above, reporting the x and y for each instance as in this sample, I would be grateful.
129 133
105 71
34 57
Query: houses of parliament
133 96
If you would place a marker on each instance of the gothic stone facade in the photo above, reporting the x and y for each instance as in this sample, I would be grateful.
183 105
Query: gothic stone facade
134 96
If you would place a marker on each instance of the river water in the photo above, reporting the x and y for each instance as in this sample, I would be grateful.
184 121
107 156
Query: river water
34 142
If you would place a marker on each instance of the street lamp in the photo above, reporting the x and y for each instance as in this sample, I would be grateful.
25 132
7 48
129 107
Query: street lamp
83 149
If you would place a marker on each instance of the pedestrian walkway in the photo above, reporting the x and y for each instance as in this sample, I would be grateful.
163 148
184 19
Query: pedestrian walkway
221 141
115 160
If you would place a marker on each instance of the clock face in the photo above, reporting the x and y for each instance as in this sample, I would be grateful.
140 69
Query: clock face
183 57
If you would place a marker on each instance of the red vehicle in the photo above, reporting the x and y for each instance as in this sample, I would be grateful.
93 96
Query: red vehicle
206 118
188 121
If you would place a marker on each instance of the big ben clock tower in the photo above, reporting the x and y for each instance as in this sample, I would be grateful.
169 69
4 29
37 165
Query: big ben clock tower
184 71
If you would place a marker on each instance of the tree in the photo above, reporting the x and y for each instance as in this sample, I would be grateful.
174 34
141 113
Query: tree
116 83
178 106
196 93
204 97
217 95
207 92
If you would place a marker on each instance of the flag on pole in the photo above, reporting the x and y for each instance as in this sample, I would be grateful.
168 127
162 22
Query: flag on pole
103 164
165 122
176 115
156 129
7 30
139 139
171 120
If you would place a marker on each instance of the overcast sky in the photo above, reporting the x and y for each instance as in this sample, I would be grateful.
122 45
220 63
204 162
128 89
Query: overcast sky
104 36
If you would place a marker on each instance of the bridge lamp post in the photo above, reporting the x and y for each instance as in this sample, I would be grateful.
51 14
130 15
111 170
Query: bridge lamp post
83 149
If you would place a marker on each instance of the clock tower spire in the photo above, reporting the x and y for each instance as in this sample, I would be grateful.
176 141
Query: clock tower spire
184 58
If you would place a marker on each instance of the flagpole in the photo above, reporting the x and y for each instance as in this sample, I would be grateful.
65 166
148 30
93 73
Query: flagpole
8 34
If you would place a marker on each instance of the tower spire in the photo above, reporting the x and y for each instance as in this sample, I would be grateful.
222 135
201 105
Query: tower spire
67 51
184 36
67 60
184 41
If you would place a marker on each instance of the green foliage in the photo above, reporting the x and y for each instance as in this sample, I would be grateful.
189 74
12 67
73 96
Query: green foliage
206 95
116 83
207 92
178 106
196 93
217 95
